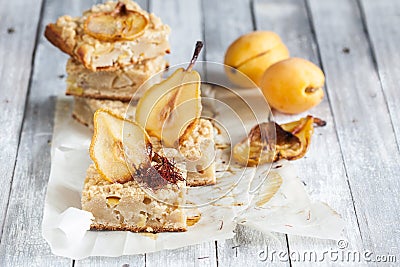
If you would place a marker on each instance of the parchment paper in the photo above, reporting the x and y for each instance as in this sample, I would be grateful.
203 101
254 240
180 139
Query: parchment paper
281 204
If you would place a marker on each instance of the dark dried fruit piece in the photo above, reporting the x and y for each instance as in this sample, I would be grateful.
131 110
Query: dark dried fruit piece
291 141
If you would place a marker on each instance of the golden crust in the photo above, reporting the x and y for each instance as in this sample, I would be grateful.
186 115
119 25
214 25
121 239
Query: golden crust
81 52
53 34
109 227
75 117
102 96
189 130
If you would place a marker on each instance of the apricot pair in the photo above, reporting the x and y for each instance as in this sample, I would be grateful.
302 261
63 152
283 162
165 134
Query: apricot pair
290 85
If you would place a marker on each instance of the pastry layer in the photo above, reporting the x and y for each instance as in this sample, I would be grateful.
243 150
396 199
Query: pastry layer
121 84
69 36
127 207
84 109
197 149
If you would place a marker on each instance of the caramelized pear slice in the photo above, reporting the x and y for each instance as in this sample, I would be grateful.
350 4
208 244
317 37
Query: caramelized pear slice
171 109
116 143
119 25
257 147
292 142
303 129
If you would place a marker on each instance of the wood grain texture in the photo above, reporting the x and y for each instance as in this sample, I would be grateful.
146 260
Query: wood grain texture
123 261
22 243
249 246
185 19
17 43
223 23
322 169
362 121
382 20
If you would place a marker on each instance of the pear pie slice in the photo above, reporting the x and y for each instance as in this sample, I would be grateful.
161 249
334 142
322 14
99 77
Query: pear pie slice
130 187
110 36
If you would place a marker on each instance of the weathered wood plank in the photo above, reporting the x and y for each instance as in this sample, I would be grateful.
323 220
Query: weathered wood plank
362 121
196 255
185 19
249 248
123 261
22 243
322 169
224 22
17 43
383 20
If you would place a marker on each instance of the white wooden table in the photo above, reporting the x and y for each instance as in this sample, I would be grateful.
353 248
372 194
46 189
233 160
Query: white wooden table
353 163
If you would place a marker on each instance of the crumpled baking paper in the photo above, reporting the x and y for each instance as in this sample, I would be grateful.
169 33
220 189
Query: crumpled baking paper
280 204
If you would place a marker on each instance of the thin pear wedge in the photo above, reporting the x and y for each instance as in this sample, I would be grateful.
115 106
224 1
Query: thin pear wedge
170 109
292 142
116 143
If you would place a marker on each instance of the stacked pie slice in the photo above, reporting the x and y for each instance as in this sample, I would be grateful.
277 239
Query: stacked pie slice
114 47
144 159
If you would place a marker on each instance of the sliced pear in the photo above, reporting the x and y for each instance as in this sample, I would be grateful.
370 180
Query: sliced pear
292 142
119 25
303 129
167 108
116 143
170 109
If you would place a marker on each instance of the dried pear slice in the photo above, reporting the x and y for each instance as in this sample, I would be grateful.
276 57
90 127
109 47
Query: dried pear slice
288 145
258 148
292 142
119 25
115 143
255 148
302 129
